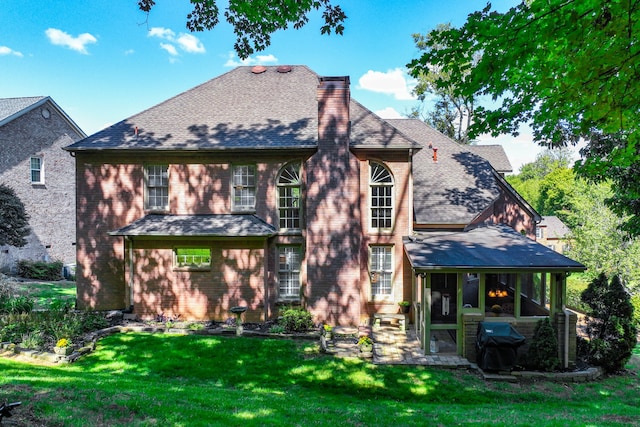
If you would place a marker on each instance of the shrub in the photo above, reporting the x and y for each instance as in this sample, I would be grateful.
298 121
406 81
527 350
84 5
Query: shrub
610 325
40 270
543 350
635 302
16 305
276 329
296 320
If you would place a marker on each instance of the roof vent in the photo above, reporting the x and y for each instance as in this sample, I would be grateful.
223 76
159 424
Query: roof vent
284 69
258 69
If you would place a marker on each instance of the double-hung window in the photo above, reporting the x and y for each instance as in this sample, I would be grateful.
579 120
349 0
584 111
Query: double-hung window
157 177
289 197
381 270
381 203
289 261
37 171
243 190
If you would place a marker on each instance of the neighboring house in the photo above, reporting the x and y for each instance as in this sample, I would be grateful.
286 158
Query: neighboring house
268 187
33 132
552 233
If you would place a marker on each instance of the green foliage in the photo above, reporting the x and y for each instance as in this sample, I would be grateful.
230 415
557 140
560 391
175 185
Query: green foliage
610 326
543 350
296 320
453 112
276 329
254 22
50 325
15 305
14 220
40 270
566 68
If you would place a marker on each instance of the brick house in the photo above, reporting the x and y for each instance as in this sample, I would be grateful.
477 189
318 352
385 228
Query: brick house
268 187
33 131
553 233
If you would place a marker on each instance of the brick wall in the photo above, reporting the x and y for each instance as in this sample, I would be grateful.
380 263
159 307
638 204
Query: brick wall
333 213
49 205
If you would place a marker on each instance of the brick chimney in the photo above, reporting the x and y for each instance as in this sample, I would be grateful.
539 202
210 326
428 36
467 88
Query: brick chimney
333 211
333 112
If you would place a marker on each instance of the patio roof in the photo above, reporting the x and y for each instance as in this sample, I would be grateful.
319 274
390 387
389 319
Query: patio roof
222 226
495 247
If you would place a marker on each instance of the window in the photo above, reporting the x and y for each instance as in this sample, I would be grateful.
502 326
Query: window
539 232
244 187
381 184
193 258
157 187
381 268
289 260
289 196
37 174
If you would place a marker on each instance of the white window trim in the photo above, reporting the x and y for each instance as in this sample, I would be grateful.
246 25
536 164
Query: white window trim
178 267
292 296
244 209
372 274
298 185
40 170
371 185
147 206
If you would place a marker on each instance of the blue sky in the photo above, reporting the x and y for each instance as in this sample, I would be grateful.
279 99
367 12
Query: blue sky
104 60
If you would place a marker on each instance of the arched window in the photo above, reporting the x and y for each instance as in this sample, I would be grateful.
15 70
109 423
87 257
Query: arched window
381 203
289 196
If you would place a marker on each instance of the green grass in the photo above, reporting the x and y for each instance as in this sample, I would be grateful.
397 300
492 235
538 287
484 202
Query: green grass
44 293
164 380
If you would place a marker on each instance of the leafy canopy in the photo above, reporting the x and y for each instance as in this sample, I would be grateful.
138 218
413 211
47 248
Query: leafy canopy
568 68
14 220
254 21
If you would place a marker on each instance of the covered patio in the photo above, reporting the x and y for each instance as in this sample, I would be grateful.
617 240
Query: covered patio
489 273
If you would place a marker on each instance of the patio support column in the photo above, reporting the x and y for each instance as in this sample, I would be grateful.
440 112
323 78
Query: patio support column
426 303
517 300
482 289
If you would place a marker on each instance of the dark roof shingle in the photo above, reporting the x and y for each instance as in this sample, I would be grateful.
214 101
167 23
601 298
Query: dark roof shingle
224 225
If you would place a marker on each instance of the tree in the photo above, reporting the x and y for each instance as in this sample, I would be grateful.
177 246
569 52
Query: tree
545 163
254 21
14 220
452 113
612 334
568 68
543 350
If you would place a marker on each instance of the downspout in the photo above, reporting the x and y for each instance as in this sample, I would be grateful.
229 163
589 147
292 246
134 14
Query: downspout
566 337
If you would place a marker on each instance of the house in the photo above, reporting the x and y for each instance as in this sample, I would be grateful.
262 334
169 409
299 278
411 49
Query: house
268 187
33 131
552 233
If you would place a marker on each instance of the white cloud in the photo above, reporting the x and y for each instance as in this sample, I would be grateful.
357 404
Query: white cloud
186 42
190 43
79 43
4 50
129 52
394 82
233 61
169 48
163 33
389 113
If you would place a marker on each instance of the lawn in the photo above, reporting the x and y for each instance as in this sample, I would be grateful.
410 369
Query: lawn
167 380
43 293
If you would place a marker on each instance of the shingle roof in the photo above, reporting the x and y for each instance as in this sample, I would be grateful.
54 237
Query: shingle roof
240 110
496 247
11 106
495 155
157 225
456 188
556 229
